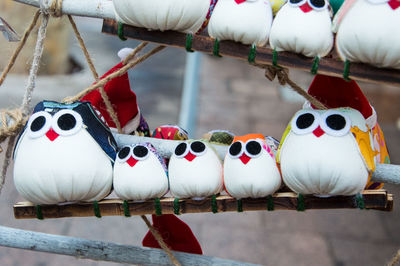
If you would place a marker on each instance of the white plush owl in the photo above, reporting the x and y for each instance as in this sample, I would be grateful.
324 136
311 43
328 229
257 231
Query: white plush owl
327 152
65 153
178 15
303 27
368 31
140 173
250 169
245 21
195 170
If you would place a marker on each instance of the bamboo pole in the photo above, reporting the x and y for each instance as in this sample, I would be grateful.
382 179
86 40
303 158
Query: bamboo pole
99 250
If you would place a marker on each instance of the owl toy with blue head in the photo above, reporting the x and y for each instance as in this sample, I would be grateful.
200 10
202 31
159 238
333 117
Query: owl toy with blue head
64 154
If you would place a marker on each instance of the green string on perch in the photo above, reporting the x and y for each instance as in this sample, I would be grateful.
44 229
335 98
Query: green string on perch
96 209
214 206
300 203
39 213
274 58
315 65
189 42
346 71
216 48
127 213
157 206
120 31
252 54
360 201
239 205
270 203
176 206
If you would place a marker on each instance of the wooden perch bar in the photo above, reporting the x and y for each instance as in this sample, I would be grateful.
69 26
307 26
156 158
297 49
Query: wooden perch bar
373 199
330 65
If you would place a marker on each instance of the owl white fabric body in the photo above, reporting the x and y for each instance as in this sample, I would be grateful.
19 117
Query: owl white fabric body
326 152
140 173
195 170
368 31
245 21
250 168
178 15
303 27
58 160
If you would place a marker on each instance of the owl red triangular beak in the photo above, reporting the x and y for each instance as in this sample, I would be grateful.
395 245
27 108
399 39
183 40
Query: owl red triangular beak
244 158
318 132
51 134
190 157
306 7
132 161
240 1
394 4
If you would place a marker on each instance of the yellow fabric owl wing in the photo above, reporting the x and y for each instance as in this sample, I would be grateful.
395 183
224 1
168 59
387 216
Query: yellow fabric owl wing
365 146
287 130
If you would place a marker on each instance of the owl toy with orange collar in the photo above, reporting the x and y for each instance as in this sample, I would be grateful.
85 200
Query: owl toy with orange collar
250 169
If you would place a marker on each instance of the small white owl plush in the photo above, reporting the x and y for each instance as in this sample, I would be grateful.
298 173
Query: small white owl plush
327 152
303 27
245 21
250 169
65 153
195 170
179 15
140 173
368 31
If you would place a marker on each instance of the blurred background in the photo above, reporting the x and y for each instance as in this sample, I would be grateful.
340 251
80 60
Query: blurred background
232 96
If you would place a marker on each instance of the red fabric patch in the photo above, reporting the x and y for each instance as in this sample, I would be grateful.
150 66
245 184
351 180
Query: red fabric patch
190 157
335 92
240 1
51 134
121 96
318 132
394 4
176 234
306 7
244 158
132 161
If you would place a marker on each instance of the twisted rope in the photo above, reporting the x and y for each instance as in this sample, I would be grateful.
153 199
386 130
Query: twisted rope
395 260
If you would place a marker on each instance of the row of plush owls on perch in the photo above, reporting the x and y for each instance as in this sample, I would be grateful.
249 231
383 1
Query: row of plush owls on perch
66 153
367 31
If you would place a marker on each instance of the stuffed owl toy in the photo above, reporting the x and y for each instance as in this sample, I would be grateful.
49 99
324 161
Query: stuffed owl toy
187 16
65 153
303 27
195 170
327 152
245 21
368 32
250 169
140 173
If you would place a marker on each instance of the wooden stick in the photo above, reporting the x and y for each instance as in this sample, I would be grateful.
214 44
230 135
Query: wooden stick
98 250
374 199
330 65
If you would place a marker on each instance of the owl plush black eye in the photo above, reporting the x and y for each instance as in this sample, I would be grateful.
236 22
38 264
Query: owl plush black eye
181 150
253 148
38 123
317 4
336 122
305 121
235 149
198 147
67 122
296 2
140 152
124 153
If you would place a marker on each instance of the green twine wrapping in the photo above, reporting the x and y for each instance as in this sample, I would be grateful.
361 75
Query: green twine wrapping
270 203
39 213
300 203
176 206
252 54
189 41
274 58
121 31
96 209
157 206
239 205
214 206
127 213
315 65
360 201
346 71
216 48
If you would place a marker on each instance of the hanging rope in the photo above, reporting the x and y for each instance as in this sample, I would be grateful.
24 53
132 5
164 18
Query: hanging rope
21 44
395 260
